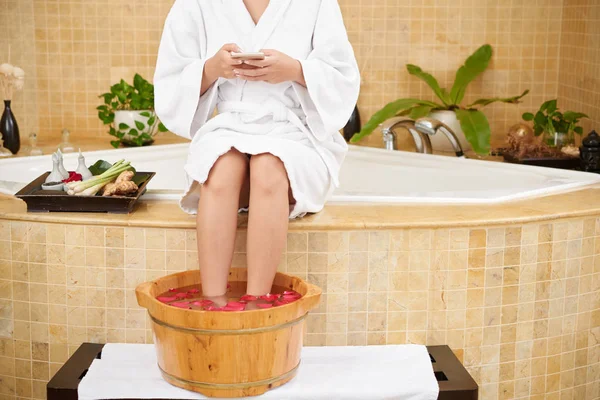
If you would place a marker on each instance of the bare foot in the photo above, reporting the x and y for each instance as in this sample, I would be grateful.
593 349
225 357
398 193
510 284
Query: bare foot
219 301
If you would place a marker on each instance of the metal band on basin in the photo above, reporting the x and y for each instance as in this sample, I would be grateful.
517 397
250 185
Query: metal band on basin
248 331
231 386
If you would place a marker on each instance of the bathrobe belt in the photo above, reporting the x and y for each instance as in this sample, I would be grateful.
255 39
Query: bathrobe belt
253 112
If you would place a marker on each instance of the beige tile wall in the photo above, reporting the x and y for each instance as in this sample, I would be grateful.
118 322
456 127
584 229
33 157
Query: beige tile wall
519 305
74 50
17 31
579 82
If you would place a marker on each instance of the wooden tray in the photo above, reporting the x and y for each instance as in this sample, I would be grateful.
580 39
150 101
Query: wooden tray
39 200
550 162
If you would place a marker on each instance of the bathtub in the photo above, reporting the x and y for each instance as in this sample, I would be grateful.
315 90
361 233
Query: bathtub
368 175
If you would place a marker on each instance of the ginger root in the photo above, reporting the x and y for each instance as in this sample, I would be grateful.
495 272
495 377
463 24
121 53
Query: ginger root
109 189
125 176
122 186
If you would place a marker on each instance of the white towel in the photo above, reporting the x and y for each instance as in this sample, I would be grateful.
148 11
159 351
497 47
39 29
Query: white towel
401 372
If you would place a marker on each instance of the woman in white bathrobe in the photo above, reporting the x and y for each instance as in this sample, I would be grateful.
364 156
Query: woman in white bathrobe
274 146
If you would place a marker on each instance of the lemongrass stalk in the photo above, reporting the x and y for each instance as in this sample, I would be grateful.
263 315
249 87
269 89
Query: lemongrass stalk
78 190
92 190
83 185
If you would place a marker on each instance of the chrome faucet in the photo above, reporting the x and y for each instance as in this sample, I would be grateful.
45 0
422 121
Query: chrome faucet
422 141
430 126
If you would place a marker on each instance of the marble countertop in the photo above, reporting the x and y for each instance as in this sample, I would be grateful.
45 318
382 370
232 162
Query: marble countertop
167 214
353 216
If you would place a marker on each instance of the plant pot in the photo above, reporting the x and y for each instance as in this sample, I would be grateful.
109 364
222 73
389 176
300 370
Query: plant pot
227 354
440 143
135 120
559 140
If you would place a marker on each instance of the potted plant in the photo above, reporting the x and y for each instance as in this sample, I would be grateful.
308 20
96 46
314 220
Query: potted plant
129 112
557 128
469 124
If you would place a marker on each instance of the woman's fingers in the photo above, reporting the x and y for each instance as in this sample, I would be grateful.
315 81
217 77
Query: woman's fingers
231 47
251 72
233 61
260 63
269 52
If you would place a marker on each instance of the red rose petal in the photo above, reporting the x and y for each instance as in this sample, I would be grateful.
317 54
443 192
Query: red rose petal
289 298
213 308
248 297
193 291
173 290
280 302
166 299
181 304
264 305
181 295
270 297
291 292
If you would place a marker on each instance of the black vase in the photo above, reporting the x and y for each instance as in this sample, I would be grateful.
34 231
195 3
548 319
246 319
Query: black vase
10 129
353 125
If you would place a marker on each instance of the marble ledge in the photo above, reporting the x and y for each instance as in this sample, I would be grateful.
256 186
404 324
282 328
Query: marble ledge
167 214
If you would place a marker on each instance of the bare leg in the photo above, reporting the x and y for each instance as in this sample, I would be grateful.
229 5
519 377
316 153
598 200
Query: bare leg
267 221
217 221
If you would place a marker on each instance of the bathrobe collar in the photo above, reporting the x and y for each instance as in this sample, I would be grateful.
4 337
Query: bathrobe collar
252 37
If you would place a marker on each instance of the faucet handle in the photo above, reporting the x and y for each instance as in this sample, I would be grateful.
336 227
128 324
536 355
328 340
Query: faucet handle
389 124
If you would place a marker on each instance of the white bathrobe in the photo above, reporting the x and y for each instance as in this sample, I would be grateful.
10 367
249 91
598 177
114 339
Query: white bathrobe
300 125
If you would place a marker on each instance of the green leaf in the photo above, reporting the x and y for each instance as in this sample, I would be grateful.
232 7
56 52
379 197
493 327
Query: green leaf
100 166
476 127
578 130
151 121
138 179
510 100
473 67
140 125
429 80
528 116
123 126
133 132
136 102
162 128
539 119
138 82
145 114
387 112
419 112
572 116
549 106
115 143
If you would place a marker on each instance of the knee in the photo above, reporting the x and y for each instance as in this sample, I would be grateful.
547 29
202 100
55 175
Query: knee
267 174
227 174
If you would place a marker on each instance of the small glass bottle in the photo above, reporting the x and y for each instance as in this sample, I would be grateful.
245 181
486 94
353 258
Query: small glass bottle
33 149
66 146
4 152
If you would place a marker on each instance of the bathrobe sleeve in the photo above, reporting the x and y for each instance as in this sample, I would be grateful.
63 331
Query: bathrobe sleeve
179 69
331 74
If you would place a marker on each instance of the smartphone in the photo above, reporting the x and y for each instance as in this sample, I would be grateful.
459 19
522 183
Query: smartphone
248 56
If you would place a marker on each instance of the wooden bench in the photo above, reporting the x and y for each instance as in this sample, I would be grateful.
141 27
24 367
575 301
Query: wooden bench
454 380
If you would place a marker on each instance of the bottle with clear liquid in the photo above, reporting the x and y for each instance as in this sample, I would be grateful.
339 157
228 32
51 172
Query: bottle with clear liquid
66 146
4 152
33 149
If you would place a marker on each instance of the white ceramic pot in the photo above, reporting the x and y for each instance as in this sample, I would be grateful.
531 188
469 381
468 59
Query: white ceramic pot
130 117
439 142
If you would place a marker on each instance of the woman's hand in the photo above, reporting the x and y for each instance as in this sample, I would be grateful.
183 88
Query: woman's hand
277 67
222 65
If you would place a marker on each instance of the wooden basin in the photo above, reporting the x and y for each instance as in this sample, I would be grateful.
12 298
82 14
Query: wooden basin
227 354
